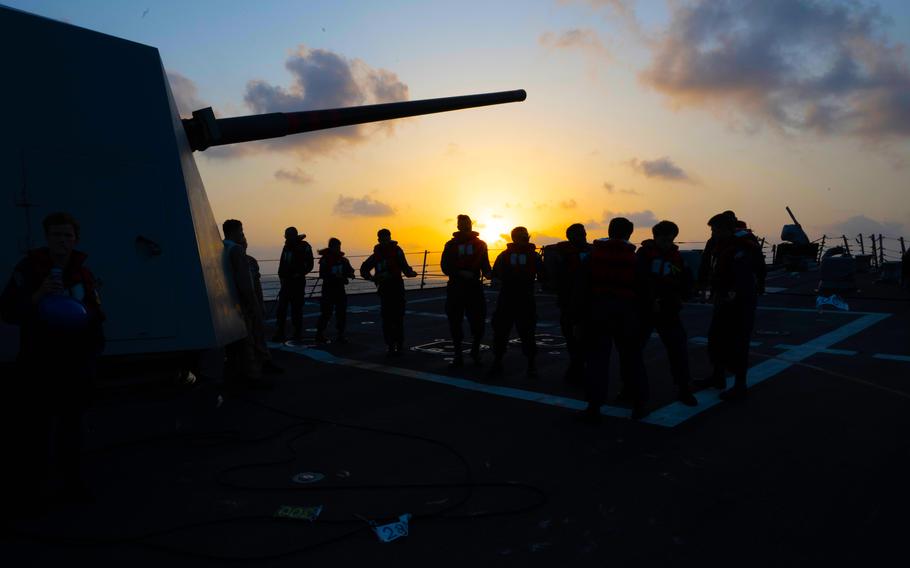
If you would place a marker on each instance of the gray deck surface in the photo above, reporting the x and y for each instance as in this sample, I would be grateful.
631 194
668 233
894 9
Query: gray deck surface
811 469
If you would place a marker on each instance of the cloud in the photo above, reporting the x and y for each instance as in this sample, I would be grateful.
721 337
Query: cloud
641 219
795 65
662 168
857 224
542 240
321 79
611 189
186 94
568 204
294 176
583 39
366 206
624 9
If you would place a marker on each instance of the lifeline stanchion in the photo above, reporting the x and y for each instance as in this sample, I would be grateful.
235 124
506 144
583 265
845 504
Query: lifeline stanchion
423 271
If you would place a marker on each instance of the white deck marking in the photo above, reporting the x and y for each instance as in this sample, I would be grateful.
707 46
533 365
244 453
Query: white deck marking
889 357
677 413
465 384
698 340
847 352
668 416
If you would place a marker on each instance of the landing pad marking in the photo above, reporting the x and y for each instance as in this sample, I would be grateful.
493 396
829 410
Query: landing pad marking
889 357
847 352
509 392
676 413
668 416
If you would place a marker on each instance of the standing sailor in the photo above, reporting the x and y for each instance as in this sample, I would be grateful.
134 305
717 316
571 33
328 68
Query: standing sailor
669 283
516 270
296 262
52 298
388 264
243 367
335 271
570 264
612 315
465 260
737 279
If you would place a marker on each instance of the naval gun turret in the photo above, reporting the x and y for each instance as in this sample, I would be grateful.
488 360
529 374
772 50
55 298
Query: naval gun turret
796 252
91 128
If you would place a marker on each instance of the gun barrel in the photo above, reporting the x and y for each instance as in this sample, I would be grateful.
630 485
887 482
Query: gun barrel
204 130
792 216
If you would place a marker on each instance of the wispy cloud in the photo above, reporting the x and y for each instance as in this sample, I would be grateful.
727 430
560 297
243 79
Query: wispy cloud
568 204
583 39
644 219
611 189
661 168
296 175
365 206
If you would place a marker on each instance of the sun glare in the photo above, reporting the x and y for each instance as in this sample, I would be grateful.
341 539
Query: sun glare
492 230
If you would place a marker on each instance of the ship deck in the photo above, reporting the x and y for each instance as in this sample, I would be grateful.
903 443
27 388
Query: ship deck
812 468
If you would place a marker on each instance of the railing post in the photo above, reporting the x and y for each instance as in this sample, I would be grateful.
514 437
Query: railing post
773 254
874 253
881 250
903 248
846 244
423 271
821 250
862 246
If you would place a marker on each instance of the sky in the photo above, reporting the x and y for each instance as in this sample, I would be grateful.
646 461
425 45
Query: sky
646 109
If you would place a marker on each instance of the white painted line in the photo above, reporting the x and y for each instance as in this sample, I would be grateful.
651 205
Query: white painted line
783 309
508 392
888 357
677 413
669 416
698 340
847 352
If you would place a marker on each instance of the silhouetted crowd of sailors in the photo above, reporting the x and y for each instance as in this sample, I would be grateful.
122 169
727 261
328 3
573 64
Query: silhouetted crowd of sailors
608 293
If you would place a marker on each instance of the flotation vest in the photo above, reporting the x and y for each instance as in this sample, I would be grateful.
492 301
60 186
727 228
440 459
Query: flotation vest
661 263
570 257
521 259
613 264
468 251
332 264
388 264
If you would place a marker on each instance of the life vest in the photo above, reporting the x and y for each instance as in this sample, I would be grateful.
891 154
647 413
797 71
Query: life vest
78 280
388 263
661 264
571 257
332 264
468 252
727 252
613 264
521 259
